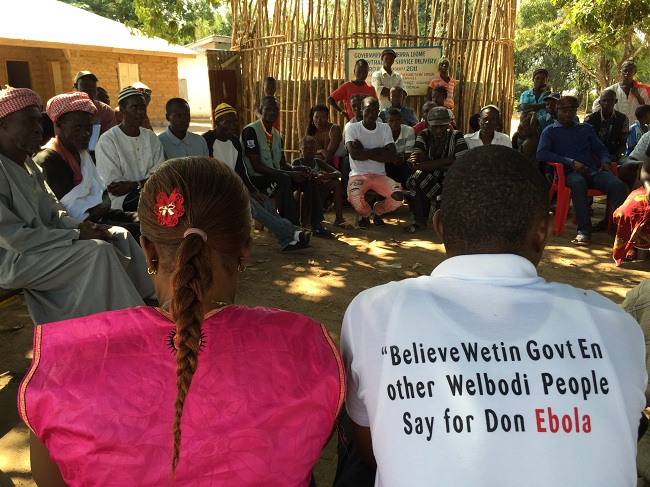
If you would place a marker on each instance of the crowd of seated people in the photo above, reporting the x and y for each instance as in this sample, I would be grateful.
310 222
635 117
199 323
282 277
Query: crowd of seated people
73 206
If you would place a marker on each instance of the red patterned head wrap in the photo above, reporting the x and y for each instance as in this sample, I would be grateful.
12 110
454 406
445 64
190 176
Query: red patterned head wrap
14 99
76 101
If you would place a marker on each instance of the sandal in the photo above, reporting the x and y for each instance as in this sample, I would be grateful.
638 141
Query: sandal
581 240
344 225
630 255
414 228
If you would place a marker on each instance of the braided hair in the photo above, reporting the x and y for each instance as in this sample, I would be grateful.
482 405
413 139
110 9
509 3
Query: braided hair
216 202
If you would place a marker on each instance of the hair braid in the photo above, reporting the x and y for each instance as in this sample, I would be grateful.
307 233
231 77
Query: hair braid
217 202
191 279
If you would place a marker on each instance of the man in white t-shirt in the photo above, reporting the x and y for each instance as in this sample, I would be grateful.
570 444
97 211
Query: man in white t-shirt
484 373
371 146
488 121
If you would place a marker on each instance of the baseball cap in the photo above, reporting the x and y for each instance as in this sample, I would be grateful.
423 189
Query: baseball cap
553 96
388 51
82 74
438 116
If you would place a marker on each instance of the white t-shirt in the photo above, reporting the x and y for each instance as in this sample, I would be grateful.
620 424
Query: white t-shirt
474 140
465 379
224 151
381 136
123 158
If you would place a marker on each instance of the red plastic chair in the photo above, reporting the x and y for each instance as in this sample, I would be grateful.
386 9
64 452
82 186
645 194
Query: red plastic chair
563 192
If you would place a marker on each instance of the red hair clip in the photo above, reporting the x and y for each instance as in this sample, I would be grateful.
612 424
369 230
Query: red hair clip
169 208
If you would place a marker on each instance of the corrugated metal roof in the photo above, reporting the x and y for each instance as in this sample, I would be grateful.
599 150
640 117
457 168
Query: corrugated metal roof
50 23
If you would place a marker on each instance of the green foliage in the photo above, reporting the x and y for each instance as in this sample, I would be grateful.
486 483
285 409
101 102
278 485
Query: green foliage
177 21
543 40
607 32
118 10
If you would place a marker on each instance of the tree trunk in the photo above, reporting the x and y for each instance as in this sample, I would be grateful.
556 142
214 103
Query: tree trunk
603 72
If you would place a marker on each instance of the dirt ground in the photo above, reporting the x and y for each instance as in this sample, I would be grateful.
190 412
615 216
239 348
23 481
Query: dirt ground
319 282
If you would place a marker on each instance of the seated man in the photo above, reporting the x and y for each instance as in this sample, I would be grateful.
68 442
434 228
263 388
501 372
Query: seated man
550 102
356 104
487 134
128 153
404 137
176 140
526 138
436 148
638 128
586 163
611 126
636 303
86 82
397 95
327 177
271 174
146 92
224 146
67 268
422 124
423 356
371 147
69 170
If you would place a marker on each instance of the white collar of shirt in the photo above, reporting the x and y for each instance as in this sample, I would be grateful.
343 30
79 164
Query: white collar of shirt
506 269
175 140
385 73
477 136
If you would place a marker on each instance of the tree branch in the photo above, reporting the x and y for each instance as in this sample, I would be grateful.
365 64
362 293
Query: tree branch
586 69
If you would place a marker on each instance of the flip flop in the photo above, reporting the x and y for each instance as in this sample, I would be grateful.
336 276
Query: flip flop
581 240
343 225
413 228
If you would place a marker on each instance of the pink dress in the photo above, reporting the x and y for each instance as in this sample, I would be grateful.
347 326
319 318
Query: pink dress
100 395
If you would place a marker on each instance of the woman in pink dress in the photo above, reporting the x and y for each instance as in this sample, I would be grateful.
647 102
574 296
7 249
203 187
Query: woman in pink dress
198 392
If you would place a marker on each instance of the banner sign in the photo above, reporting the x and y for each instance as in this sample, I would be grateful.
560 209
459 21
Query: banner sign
417 65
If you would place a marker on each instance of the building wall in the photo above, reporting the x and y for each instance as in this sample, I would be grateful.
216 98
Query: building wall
195 71
160 73
38 59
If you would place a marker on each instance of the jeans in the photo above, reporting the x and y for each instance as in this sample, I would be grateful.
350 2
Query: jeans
280 186
603 181
282 229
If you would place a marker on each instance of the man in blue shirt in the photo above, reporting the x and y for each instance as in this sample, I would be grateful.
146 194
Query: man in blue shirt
533 99
587 163
176 140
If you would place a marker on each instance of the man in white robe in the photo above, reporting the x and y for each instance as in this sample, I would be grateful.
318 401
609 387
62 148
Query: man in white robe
127 154
66 268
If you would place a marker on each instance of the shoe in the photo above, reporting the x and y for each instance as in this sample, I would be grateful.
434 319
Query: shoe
304 237
414 228
322 232
378 221
364 223
294 247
